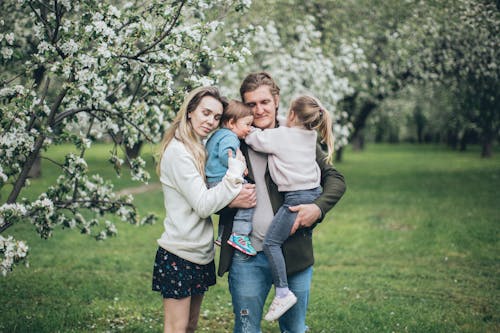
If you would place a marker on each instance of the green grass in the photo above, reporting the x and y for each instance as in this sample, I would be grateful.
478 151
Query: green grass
412 247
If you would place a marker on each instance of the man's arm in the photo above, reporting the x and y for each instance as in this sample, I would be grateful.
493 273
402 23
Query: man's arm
333 185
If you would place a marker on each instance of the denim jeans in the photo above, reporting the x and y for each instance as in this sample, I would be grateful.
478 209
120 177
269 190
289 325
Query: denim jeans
280 229
250 281
242 223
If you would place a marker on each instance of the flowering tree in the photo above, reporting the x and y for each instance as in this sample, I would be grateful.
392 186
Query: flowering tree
291 52
72 71
453 45
461 53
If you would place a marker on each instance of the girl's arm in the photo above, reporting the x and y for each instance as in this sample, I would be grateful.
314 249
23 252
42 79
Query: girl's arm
263 141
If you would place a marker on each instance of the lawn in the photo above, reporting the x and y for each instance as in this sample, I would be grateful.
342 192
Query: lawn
412 247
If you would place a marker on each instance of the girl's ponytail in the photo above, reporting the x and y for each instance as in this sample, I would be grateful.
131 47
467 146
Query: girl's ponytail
314 116
325 132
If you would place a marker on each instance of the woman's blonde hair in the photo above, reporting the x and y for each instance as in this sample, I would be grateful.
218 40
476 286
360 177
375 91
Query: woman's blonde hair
182 129
313 116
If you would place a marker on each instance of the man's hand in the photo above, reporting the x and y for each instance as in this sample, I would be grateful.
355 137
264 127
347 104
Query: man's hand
307 215
247 197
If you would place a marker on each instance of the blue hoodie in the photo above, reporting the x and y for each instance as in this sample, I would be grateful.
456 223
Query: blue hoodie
217 146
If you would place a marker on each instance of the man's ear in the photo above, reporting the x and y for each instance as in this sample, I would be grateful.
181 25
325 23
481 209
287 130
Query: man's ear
277 102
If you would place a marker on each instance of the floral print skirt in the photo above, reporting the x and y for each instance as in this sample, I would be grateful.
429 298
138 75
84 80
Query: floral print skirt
178 278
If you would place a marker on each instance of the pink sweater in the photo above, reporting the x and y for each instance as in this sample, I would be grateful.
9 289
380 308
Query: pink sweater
292 156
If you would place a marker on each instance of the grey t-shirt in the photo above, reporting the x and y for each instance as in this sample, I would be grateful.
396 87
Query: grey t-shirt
263 214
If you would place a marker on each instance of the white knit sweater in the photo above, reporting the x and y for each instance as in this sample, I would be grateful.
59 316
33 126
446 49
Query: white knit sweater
189 204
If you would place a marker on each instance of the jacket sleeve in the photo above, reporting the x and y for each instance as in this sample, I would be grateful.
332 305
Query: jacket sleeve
332 182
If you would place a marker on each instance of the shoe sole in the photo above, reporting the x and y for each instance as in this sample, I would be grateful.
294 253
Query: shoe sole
239 248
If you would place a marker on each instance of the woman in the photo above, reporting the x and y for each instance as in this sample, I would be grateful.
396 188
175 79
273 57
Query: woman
184 265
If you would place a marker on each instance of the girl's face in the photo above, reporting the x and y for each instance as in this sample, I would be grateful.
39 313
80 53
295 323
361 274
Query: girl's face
241 127
205 118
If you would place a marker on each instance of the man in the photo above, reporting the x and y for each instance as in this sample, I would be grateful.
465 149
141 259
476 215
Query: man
250 278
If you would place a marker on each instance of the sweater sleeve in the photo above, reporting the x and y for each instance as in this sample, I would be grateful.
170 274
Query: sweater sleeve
332 181
263 141
178 170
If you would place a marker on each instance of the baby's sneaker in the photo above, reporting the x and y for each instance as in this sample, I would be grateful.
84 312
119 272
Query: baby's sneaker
242 243
280 305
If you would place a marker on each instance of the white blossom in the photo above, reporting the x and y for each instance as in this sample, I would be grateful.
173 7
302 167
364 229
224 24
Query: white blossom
6 52
108 91
69 47
9 38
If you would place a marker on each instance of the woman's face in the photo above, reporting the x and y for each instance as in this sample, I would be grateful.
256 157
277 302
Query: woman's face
205 118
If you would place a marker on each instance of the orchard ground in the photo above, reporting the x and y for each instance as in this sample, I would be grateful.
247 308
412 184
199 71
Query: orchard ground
413 246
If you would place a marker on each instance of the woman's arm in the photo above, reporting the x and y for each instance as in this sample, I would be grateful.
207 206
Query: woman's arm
178 170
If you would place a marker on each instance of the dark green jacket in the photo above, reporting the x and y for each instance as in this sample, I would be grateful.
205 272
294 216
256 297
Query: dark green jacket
298 248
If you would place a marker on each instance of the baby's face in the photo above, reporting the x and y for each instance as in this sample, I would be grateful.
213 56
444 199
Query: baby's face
242 126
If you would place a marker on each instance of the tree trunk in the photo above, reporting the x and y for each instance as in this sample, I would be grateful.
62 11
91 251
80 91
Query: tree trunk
487 148
36 168
358 139
134 151
452 139
338 154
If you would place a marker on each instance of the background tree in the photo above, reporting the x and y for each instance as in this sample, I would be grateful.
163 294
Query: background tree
71 71
460 51
288 45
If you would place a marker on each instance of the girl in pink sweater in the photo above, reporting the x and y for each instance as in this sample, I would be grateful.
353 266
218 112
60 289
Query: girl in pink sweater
292 165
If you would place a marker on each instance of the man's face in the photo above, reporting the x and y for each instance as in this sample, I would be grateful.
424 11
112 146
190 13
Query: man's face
263 105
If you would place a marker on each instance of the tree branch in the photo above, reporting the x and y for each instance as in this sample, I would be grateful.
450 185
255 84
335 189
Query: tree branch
60 117
51 160
164 34
44 94
23 175
44 21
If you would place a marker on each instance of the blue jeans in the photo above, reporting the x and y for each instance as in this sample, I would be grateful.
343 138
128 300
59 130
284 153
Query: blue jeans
280 229
242 223
250 281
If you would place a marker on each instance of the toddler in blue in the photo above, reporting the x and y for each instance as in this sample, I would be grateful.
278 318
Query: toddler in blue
236 124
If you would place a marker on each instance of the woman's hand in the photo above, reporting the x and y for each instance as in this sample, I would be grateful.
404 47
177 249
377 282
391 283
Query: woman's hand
247 197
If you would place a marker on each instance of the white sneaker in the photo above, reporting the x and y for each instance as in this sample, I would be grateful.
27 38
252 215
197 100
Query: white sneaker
280 305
